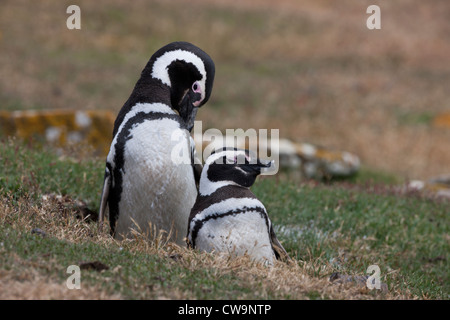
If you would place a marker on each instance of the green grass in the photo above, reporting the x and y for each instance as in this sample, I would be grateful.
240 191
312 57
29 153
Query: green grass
35 171
326 228
406 236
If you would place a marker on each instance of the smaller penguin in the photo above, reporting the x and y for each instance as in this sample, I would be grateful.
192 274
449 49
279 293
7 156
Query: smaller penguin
227 216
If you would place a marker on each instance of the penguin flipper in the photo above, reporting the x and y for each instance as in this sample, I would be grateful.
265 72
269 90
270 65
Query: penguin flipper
280 252
104 198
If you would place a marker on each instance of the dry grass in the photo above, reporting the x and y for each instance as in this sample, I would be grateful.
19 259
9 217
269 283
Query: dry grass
27 278
31 285
34 277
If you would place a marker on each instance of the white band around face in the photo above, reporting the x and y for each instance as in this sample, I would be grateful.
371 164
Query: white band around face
160 71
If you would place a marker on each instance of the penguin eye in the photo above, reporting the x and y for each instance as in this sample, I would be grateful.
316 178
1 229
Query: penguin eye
196 87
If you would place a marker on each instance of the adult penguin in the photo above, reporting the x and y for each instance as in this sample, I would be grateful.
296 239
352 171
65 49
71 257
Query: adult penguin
149 182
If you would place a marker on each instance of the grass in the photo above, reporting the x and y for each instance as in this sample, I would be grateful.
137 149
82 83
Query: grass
312 70
34 173
405 235
326 228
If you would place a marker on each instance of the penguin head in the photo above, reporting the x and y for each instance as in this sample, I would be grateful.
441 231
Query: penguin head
189 73
232 166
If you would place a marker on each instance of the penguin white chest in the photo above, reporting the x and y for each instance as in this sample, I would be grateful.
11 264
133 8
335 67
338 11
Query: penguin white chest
242 231
158 185
241 234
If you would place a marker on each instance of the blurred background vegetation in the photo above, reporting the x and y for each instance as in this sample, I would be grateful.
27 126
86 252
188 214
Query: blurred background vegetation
309 68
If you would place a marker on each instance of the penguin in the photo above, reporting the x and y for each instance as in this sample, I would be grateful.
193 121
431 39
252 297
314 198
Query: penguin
150 176
227 216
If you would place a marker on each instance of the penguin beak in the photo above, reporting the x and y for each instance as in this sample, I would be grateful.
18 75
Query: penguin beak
191 119
188 110
258 167
265 166
268 168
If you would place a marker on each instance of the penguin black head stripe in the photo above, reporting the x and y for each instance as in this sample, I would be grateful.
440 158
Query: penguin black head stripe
231 164
143 184
179 74
227 216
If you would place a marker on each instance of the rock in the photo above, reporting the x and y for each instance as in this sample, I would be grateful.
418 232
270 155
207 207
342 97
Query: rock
61 127
312 161
442 180
321 162
438 186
